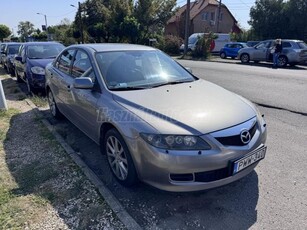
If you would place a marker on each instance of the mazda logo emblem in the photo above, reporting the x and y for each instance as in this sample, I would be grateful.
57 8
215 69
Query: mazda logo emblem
245 137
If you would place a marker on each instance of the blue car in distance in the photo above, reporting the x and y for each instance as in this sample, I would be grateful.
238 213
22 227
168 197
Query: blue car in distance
31 61
231 49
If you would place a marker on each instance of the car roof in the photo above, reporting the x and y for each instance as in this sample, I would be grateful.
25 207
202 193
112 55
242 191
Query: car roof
102 47
40 43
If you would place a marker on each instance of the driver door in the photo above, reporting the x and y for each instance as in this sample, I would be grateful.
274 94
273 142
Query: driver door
261 52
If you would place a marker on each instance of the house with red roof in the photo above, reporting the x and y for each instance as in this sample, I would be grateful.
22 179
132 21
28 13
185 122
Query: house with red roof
203 19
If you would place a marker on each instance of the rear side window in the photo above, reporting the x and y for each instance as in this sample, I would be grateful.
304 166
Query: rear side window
286 45
64 61
302 45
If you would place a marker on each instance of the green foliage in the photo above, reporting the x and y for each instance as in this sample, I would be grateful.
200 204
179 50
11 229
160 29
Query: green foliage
202 49
63 32
4 32
170 44
25 29
279 19
130 29
246 35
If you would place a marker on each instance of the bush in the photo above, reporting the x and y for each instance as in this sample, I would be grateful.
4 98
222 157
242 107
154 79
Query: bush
170 44
202 48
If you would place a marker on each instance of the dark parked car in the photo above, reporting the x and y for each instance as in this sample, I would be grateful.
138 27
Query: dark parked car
154 120
293 52
9 53
231 49
2 46
31 61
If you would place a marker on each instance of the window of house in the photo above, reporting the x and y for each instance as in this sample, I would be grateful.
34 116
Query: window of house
212 16
204 16
221 16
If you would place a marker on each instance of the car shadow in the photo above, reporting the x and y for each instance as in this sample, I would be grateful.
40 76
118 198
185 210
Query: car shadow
270 65
232 206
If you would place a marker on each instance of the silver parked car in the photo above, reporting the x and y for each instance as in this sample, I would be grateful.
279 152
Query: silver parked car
294 52
154 120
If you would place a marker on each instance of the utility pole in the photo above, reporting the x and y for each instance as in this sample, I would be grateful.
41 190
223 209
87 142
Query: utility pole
187 25
80 19
218 16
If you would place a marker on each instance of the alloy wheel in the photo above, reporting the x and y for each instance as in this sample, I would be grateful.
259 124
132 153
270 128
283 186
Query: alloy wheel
117 158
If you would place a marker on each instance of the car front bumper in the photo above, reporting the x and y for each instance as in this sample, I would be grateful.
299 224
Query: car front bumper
196 170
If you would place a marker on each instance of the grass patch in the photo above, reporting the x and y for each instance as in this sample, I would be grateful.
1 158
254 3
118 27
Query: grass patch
39 101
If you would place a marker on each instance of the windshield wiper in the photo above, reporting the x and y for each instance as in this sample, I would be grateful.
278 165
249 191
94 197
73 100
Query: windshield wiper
170 83
128 88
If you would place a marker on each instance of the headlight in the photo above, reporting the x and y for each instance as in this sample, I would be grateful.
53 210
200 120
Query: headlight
38 70
176 142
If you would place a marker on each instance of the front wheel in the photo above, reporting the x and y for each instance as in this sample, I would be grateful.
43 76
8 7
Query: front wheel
282 61
244 58
223 55
119 158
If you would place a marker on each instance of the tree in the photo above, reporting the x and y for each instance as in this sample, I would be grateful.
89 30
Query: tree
4 32
63 32
295 12
25 29
268 19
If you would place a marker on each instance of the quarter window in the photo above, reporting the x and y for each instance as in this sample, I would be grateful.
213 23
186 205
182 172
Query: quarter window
65 61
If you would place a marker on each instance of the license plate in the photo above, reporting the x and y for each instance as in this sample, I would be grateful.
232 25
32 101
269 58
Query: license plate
246 161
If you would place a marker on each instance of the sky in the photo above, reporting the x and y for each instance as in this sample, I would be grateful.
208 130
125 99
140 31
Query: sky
14 11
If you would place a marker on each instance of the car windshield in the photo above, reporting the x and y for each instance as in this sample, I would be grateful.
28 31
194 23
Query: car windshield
13 49
302 45
131 70
44 51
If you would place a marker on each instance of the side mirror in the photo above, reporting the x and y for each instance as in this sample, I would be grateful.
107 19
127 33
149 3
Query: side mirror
189 69
83 83
18 58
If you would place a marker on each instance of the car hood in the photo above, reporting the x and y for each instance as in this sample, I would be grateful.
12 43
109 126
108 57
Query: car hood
40 62
196 108
247 50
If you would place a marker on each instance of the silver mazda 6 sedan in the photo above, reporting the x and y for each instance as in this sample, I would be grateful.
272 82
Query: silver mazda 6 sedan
153 119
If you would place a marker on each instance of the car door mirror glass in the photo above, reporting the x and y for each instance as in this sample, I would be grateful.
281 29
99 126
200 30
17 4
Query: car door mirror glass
83 83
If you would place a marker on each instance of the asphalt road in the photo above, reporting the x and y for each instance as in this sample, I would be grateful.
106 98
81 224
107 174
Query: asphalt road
274 196
282 88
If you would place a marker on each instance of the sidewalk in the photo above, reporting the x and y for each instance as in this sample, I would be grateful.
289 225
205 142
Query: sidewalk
40 186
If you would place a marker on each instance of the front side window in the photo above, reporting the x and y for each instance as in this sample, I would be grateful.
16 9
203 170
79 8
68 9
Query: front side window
64 61
146 69
286 45
81 64
263 45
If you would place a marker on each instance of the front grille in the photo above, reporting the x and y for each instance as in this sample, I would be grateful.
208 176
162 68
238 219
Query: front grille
213 175
236 140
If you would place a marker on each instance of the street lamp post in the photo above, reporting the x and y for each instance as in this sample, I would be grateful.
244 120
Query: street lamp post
80 18
45 24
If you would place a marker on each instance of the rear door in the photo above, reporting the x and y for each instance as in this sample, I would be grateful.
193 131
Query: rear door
60 81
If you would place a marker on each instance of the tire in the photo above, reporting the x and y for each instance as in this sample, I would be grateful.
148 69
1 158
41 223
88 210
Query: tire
119 158
19 80
30 88
282 61
223 55
245 58
55 112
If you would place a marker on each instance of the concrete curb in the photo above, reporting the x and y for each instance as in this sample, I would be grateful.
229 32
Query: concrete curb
115 205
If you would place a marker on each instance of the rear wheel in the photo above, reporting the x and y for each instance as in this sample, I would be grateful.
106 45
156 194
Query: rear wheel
17 76
223 55
244 58
53 107
282 61
119 158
